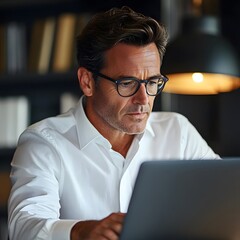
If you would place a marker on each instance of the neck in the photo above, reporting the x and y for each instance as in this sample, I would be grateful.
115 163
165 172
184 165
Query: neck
121 144
120 141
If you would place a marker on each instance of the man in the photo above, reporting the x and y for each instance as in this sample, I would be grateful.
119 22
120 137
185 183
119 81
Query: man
73 174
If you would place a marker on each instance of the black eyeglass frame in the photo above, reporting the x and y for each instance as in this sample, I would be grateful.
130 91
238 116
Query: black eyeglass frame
139 81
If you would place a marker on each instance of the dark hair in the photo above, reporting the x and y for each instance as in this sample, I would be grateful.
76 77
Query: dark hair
118 25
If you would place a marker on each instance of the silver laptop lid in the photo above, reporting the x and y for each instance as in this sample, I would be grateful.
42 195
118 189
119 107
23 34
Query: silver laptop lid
185 199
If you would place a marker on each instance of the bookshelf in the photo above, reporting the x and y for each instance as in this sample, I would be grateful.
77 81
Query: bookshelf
27 64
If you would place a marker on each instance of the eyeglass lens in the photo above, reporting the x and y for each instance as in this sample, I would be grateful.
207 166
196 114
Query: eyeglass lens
128 87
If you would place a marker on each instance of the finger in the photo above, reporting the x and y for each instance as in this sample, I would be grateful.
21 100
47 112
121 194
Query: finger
114 223
117 217
110 234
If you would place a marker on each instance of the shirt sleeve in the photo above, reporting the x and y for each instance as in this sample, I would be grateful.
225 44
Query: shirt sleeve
34 202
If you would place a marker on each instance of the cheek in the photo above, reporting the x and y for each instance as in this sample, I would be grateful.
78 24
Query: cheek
113 99
119 104
109 102
151 101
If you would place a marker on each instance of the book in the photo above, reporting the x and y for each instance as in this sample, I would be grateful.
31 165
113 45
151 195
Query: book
3 121
64 42
16 47
14 117
36 38
46 45
2 49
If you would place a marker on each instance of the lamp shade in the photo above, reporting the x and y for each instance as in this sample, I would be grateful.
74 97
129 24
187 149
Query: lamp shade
200 60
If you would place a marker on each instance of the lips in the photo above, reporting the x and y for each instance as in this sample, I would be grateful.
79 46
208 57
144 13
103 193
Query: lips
139 110
137 115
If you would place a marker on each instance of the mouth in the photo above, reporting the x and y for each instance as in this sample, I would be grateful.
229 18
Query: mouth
138 115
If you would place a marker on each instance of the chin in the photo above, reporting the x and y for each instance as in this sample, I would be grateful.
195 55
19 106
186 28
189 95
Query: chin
135 131
133 128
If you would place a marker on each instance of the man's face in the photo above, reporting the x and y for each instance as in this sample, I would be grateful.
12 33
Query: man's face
112 112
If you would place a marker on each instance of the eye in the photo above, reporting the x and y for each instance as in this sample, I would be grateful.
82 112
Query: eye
127 83
153 82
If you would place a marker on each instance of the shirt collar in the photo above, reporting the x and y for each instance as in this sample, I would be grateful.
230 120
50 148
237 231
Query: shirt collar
149 128
85 130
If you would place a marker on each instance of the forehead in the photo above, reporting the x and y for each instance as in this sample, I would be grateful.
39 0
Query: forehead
132 58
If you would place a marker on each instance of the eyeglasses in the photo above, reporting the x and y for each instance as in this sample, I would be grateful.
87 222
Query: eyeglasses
128 86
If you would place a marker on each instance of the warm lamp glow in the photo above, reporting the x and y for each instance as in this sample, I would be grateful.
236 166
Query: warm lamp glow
197 77
201 83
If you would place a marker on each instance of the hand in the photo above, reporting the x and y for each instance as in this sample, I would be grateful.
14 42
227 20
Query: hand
108 228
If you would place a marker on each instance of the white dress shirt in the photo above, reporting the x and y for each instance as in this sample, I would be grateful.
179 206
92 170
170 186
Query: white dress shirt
64 171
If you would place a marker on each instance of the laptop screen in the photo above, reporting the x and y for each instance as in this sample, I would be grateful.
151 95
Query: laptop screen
185 199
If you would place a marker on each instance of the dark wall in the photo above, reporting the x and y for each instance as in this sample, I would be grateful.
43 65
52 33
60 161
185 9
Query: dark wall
216 117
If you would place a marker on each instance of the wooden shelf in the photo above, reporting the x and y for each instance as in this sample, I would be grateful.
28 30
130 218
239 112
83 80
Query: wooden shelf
28 83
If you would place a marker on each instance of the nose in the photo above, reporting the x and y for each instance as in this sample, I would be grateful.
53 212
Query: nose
141 96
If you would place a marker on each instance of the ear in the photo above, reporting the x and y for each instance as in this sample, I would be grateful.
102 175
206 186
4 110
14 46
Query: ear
86 81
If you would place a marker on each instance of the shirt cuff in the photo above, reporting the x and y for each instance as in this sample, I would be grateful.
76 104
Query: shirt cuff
61 229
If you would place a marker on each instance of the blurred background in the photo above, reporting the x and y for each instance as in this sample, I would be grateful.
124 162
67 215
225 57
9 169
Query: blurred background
38 68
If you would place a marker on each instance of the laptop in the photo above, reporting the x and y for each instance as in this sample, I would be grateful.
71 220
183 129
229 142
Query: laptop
185 199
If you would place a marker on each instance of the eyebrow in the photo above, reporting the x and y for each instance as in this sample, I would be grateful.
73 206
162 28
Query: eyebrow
149 78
